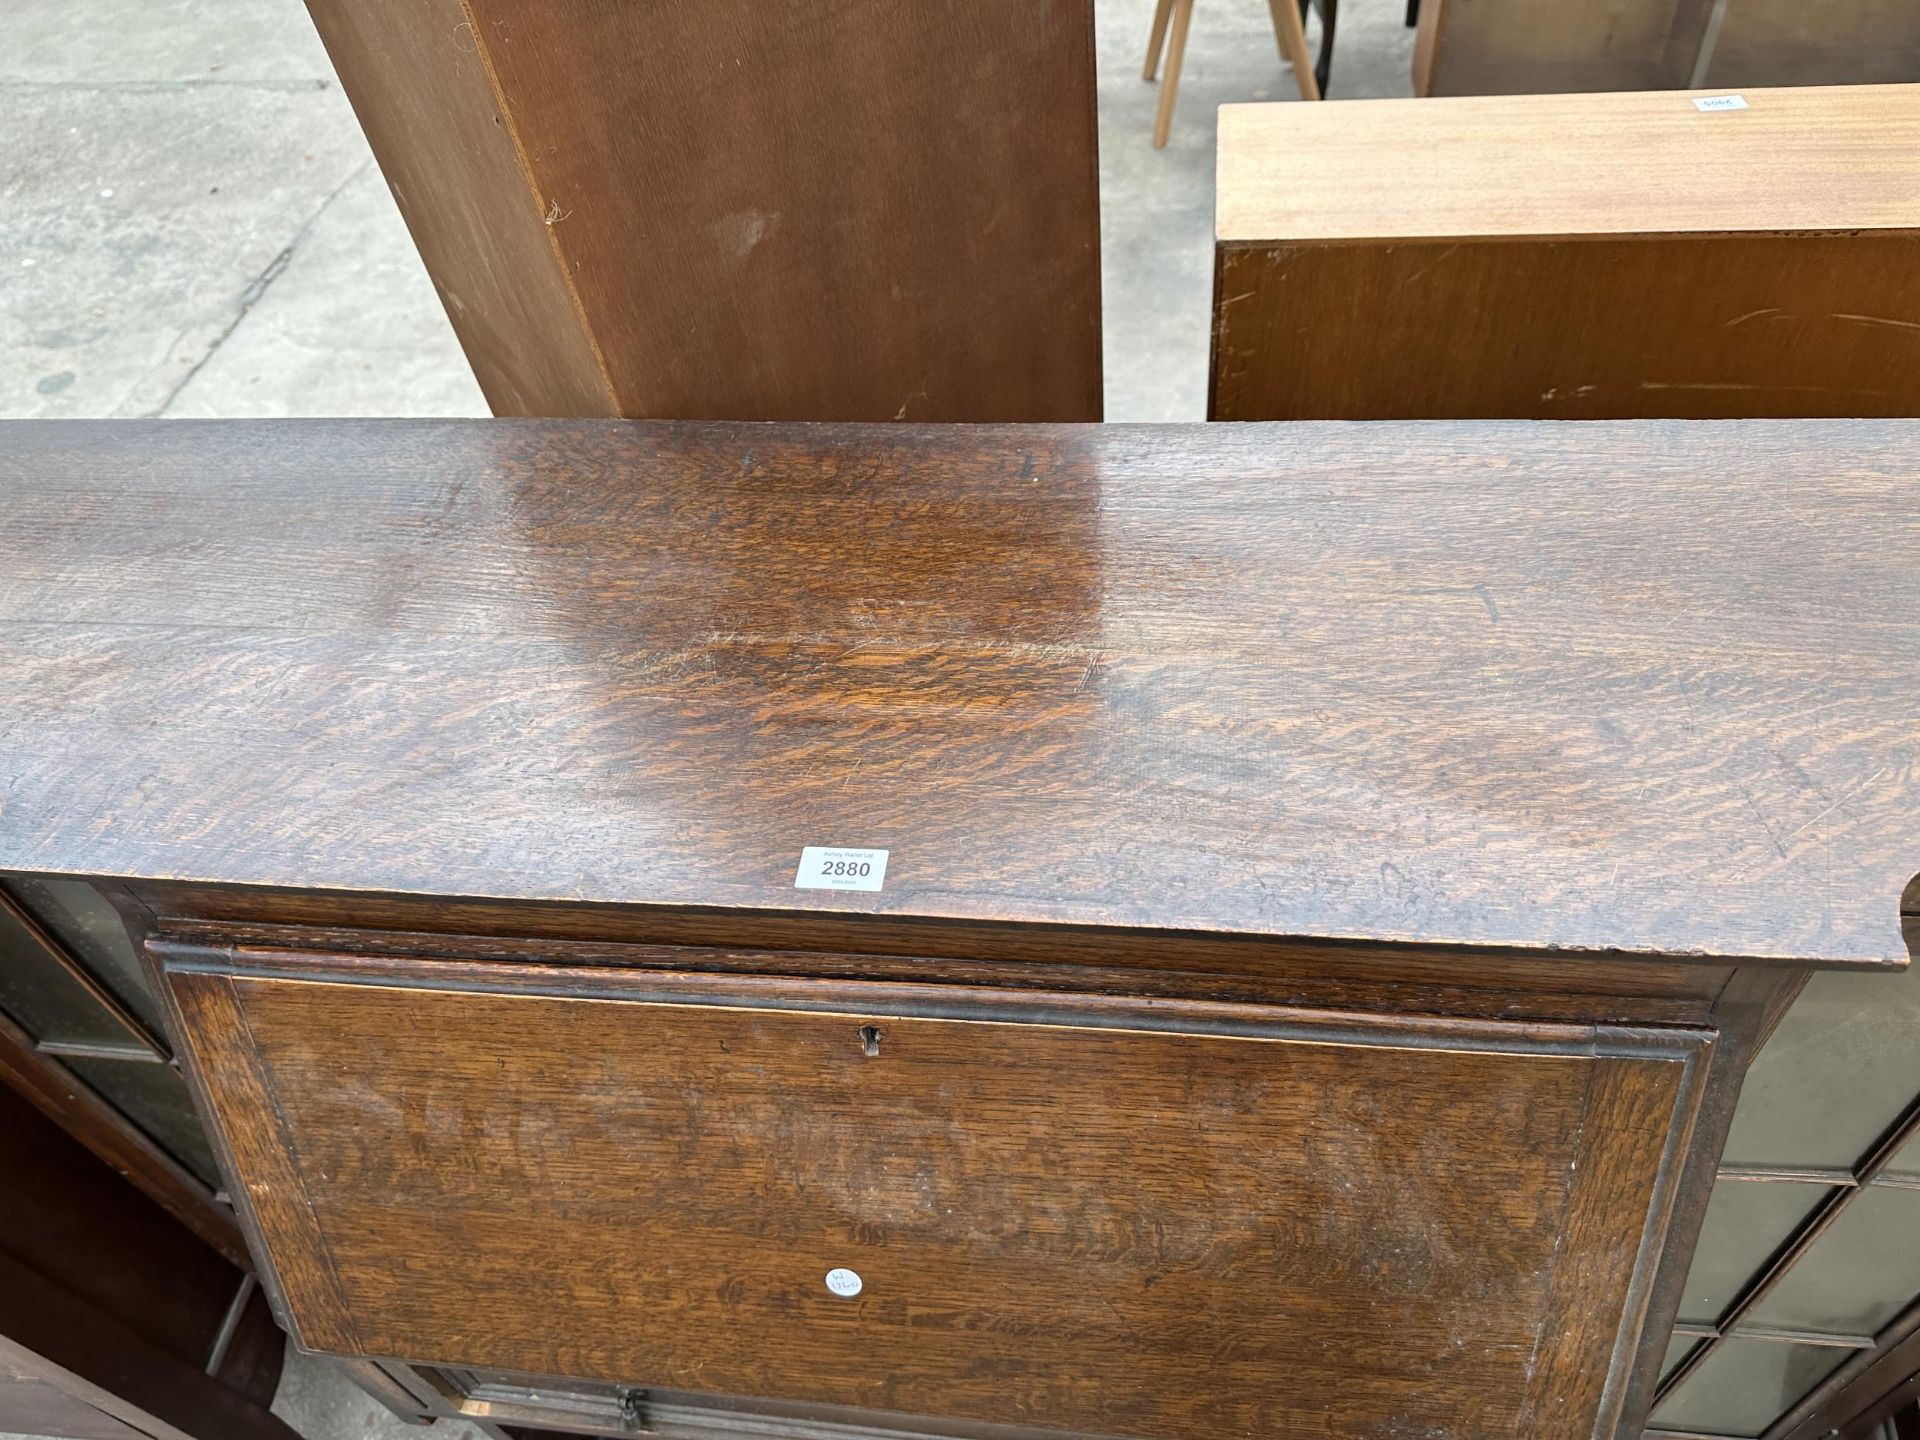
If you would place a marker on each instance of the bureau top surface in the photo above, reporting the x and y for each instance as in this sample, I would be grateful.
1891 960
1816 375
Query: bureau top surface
1636 687
1844 157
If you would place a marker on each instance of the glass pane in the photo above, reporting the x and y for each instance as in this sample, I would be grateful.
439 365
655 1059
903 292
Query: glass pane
1678 1349
1837 1073
1857 1276
1745 1385
1747 1220
40 996
81 917
155 1098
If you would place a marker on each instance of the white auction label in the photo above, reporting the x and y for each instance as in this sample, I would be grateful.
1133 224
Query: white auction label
843 1282
1721 102
826 867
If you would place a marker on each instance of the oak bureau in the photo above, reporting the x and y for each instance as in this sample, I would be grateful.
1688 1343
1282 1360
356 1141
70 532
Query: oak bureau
1308 893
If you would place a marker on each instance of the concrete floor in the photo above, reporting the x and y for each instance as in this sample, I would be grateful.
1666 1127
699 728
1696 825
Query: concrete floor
191 224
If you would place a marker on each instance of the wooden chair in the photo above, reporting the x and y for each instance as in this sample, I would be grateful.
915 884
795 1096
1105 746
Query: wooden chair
1288 29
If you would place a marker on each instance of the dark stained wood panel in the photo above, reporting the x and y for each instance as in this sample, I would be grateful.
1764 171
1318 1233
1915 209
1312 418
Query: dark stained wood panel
1234 1220
1632 687
728 209
1335 975
85 1230
116 1321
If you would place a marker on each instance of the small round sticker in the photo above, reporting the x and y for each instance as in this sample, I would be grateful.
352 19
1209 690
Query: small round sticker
843 1282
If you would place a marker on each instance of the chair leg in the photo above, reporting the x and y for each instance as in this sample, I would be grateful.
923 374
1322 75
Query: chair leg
1159 36
1170 81
1292 36
1329 22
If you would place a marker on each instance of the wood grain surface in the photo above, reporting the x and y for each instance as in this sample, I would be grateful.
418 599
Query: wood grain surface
1233 1220
708 209
1709 327
1833 158
1643 689
1570 257
1500 984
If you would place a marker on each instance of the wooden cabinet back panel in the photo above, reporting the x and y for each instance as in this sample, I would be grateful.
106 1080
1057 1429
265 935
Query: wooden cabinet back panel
1584 328
1167 1228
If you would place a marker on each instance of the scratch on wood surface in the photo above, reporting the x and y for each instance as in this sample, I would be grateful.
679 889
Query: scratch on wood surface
1754 315
1746 794
1734 385
1439 259
1841 801
1880 320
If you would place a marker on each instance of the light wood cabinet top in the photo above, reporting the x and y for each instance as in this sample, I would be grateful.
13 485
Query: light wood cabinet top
1830 158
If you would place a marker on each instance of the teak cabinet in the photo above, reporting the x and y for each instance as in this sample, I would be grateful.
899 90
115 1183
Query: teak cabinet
1335 880
1570 257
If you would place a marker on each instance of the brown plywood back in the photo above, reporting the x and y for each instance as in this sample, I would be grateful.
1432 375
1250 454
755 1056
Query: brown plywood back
727 209
419 86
